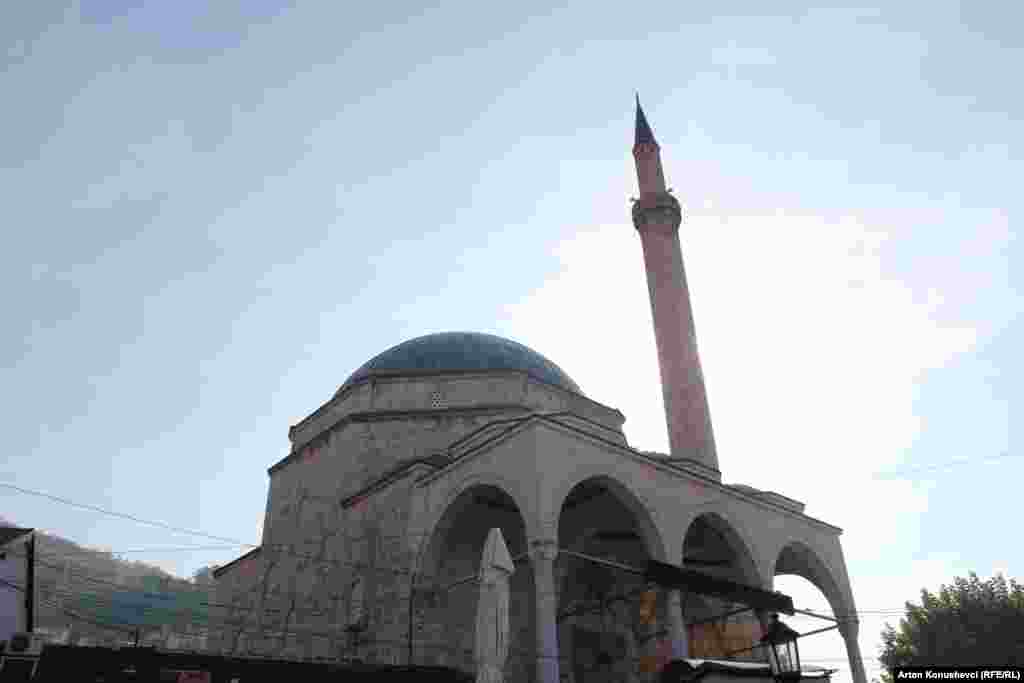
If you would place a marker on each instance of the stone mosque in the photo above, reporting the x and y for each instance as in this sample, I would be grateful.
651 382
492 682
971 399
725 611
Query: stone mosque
376 519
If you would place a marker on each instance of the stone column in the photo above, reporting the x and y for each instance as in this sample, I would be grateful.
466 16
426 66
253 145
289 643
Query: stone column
764 619
543 559
677 626
849 630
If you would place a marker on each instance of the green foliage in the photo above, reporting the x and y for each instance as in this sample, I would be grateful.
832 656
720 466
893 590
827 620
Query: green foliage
969 623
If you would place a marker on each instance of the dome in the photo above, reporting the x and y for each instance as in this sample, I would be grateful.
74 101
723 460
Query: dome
466 351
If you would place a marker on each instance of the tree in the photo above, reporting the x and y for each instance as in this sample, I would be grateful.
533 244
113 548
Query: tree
969 623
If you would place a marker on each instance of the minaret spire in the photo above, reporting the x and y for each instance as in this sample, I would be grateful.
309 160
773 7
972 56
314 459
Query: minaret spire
648 156
657 217
644 134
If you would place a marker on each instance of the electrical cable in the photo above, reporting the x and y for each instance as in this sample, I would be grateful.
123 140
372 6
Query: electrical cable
364 566
117 551
122 515
937 467
301 632
877 612
65 611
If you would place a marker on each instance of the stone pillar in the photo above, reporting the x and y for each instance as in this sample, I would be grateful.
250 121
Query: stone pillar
543 559
849 630
677 626
764 619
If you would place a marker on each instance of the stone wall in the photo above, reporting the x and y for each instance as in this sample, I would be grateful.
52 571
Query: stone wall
296 599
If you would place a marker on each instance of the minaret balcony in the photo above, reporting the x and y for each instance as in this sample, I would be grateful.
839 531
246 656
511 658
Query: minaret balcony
660 210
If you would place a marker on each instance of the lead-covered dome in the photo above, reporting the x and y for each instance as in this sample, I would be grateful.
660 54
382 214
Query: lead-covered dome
461 351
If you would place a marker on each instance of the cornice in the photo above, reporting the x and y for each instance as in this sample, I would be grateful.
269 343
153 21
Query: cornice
368 416
377 377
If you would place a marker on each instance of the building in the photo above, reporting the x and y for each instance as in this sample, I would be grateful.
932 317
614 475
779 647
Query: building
377 517
84 595
13 576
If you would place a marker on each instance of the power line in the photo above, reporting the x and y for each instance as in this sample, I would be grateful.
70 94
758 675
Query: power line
281 549
204 622
273 631
274 548
880 612
895 474
122 515
287 595
189 548
211 624
893 611
298 631
96 580
93 579
66 611
278 548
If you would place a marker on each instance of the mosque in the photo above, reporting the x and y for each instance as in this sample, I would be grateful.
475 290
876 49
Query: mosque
376 519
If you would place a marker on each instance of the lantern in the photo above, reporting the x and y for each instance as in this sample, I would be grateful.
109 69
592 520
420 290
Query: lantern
783 651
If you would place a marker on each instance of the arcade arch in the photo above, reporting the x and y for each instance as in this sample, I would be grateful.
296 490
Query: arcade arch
599 631
803 574
715 626
452 553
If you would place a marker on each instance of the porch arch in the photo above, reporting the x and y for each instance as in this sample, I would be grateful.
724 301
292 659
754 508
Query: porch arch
445 580
439 513
716 531
797 557
642 513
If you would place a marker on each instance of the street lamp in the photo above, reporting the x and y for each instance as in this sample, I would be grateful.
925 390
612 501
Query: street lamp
785 655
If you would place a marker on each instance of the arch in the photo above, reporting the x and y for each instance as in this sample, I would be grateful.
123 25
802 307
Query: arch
601 517
736 537
643 513
452 552
445 516
437 512
797 557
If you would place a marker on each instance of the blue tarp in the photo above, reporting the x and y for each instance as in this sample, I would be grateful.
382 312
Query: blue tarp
126 607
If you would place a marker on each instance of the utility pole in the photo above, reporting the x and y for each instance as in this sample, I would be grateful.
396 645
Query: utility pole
30 582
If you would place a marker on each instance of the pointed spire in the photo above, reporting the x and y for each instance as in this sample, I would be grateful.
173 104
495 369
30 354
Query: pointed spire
644 135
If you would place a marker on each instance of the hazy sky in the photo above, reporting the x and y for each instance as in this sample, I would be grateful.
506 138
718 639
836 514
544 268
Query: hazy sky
214 211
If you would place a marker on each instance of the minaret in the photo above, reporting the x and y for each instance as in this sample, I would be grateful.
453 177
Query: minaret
657 216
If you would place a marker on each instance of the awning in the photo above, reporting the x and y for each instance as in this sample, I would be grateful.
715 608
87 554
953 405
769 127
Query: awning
671 576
